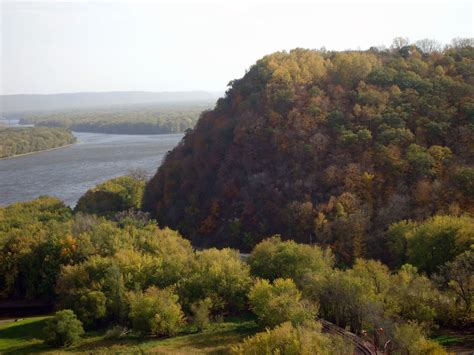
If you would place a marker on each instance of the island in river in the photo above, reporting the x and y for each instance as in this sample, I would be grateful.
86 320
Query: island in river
15 141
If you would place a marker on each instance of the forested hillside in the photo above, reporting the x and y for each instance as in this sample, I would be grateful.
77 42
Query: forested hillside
155 119
14 141
327 147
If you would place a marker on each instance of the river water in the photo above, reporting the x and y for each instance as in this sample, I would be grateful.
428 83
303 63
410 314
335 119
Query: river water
69 172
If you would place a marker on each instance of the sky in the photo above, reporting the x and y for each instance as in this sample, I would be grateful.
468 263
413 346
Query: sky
83 46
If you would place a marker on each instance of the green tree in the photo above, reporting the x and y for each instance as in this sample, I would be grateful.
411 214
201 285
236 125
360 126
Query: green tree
219 275
432 243
458 275
91 307
99 274
413 295
31 259
464 179
374 275
397 242
156 312
409 339
278 302
115 195
351 67
274 258
421 162
63 329
341 298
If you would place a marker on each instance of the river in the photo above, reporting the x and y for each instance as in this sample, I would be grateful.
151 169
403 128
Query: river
69 172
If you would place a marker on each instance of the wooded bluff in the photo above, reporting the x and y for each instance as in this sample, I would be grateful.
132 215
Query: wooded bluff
325 147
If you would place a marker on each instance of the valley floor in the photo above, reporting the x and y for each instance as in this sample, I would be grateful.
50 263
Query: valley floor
24 336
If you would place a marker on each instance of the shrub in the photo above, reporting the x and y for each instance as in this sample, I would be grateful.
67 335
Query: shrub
64 329
200 311
155 312
289 339
279 302
115 332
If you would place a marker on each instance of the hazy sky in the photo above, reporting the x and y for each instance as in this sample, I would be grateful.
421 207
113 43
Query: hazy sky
51 47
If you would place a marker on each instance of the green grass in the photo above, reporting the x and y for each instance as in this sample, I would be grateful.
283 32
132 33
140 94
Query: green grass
25 334
447 340
24 337
455 340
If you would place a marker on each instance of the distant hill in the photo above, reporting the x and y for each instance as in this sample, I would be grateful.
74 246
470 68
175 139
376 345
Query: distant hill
21 103
325 147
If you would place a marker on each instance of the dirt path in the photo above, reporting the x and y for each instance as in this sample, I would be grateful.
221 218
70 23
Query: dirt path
6 321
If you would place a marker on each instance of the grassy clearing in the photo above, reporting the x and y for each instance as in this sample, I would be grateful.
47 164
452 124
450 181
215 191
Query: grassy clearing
24 337
456 340
446 340
26 334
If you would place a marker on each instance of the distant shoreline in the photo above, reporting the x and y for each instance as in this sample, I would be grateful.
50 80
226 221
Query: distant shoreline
39 151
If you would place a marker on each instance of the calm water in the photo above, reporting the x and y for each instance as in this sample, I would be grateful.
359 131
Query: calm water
69 172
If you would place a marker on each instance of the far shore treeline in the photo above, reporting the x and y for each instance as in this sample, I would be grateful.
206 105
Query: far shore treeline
132 119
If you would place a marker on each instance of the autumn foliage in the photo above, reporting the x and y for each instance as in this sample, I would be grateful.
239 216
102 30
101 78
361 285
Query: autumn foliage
325 147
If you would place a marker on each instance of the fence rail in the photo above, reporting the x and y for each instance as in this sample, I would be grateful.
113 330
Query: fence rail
361 347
